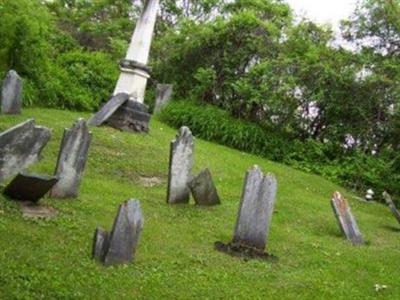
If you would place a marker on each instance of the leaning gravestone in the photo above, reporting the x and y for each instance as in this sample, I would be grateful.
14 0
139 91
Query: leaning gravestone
119 246
163 95
203 189
345 218
71 160
392 206
180 166
254 216
20 146
11 94
108 109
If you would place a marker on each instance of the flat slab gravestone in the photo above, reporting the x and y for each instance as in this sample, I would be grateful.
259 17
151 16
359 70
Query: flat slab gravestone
119 246
71 160
163 95
392 206
180 166
11 94
108 109
20 147
29 187
345 218
203 189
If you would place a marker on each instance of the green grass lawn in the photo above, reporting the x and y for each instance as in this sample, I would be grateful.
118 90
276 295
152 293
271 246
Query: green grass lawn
175 258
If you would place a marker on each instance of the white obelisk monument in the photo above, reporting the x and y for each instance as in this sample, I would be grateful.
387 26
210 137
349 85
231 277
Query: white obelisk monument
134 70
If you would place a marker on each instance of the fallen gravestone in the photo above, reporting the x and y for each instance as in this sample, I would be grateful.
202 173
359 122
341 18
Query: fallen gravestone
392 206
20 146
108 109
180 166
203 189
163 95
345 218
119 246
254 217
11 94
71 160
29 187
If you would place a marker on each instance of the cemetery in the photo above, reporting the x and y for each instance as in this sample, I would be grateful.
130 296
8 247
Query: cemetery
122 202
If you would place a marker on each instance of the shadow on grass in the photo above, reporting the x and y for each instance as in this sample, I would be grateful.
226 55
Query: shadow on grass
391 228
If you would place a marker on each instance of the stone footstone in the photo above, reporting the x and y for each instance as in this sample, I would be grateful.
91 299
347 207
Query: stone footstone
29 187
120 245
31 210
108 109
11 94
346 220
180 167
203 189
20 147
392 206
71 160
163 95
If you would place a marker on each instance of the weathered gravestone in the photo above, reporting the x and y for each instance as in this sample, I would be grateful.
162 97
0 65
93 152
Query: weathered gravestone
119 246
71 160
392 206
20 146
180 167
203 189
29 187
11 94
254 216
163 95
345 218
108 109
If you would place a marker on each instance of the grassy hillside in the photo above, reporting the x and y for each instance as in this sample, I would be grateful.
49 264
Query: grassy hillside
175 258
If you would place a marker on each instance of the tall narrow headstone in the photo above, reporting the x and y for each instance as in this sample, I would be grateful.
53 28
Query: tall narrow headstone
71 160
180 167
203 189
392 206
11 94
163 95
345 218
20 147
120 245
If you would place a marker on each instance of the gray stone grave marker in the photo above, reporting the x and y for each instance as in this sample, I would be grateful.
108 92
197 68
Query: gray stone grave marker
345 218
11 94
71 160
163 95
180 166
108 109
391 205
203 189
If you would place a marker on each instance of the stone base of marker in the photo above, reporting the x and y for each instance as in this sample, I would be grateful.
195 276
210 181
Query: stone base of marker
119 246
203 189
242 251
32 210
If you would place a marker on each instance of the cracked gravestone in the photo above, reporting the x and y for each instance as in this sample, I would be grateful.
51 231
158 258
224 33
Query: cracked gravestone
11 94
180 166
71 160
345 219
20 147
119 246
203 189
254 216
29 187
108 109
163 95
392 206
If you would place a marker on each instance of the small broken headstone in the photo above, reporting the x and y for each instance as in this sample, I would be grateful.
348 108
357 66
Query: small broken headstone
20 147
71 160
180 166
11 94
254 216
29 187
392 206
203 189
163 95
119 246
345 218
108 109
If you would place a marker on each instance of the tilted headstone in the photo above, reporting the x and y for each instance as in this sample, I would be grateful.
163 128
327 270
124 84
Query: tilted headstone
180 167
345 218
20 146
392 206
11 94
29 187
203 189
108 109
71 160
119 246
131 116
163 95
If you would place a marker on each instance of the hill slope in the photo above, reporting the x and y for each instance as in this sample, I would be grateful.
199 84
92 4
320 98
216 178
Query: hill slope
176 259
